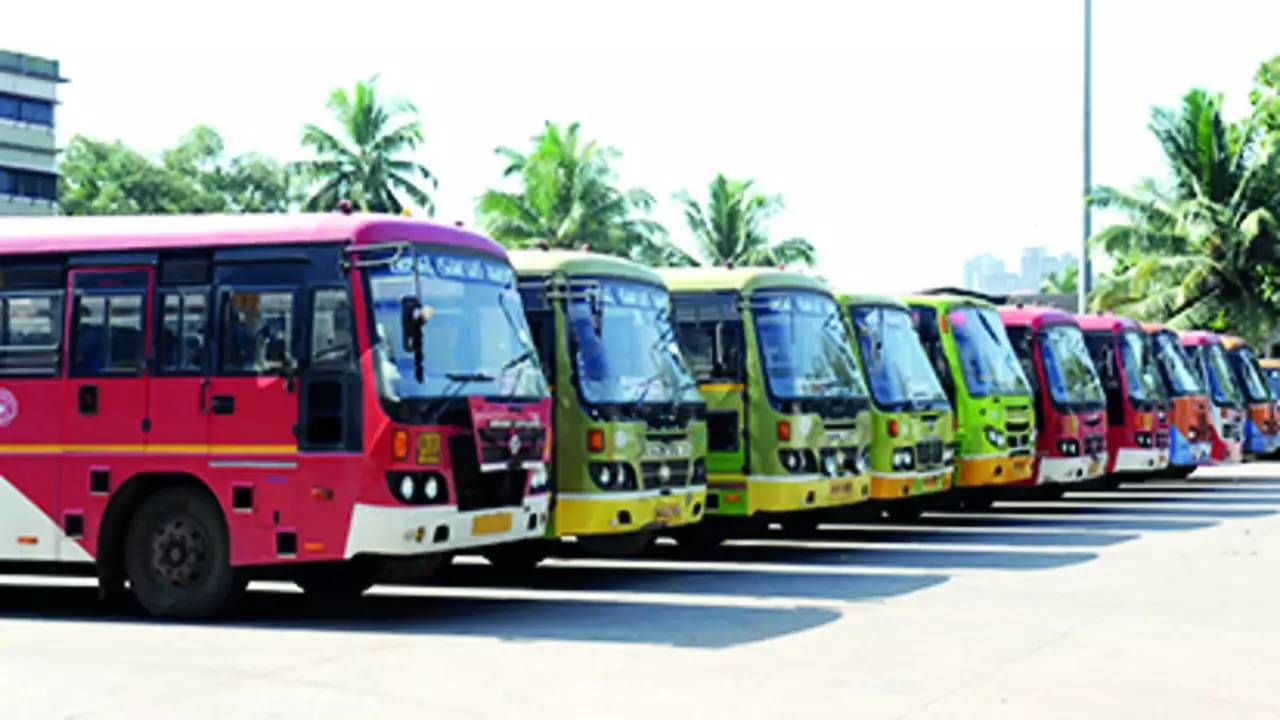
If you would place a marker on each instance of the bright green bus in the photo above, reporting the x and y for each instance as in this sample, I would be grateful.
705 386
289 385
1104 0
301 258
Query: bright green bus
788 418
979 369
629 438
913 436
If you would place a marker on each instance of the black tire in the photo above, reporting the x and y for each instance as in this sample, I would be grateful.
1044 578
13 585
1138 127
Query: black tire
337 584
178 556
520 557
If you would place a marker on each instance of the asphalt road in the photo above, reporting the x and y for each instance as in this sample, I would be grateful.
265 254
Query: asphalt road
1158 600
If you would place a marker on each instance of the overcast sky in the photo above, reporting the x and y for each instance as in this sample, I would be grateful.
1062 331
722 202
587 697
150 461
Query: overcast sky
905 136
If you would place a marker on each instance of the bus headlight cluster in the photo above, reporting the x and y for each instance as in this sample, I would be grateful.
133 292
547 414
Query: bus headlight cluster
612 475
1068 448
798 461
903 459
1143 439
538 482
414 488
831 463
994 436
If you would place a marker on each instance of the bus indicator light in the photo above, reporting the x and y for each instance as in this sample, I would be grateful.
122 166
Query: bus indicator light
784 431
400 446
595 440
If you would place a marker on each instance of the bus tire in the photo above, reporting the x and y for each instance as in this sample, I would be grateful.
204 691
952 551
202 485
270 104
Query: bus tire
340 584
518 557
178 556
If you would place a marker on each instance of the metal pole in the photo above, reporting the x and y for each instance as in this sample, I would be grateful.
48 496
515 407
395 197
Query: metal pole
1085 276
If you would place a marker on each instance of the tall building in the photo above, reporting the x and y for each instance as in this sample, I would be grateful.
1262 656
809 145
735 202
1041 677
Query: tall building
987 274
28 151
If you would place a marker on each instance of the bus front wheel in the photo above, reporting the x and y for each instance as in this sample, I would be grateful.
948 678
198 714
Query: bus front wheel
178 556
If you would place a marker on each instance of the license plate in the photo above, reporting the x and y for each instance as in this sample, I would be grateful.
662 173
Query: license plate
842 488
665 513
1021 465
1095 467
491 523
929 481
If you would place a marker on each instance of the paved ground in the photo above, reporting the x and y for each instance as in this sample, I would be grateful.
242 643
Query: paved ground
1160 600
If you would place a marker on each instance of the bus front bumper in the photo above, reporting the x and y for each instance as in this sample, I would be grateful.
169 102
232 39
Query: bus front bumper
418 530
1184 453
1135 460
1063 470
898 485
995 470
616 513
738 495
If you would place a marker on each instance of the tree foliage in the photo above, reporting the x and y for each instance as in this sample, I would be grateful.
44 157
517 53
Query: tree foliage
1062 283
195 176
566 196
368 158
732 227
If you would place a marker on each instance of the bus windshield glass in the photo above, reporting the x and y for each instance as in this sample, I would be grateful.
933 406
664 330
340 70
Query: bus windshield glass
897 368
989 362
624 347
1255 388
1179 379
805 346
475 337
1139 371
1273 380
1068 369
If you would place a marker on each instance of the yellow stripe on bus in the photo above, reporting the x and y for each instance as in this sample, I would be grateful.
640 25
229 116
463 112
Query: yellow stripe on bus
153 449
722 387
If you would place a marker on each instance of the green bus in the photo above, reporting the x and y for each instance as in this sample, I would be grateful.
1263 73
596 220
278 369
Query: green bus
629 438
994 411
788 418
912 436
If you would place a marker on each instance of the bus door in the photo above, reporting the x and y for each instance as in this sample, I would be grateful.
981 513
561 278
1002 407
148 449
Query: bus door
104 405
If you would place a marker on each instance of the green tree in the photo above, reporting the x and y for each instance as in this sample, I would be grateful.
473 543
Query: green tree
1199 250
1265 98
1063 283
731 227
567 197
110 178
368 159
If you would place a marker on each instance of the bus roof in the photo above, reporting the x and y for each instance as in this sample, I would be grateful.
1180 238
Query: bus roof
1269 363
123 233
1034 316
865 299
1152 328
748 279
1233 342
1190 338
1106 323
946 302
574 262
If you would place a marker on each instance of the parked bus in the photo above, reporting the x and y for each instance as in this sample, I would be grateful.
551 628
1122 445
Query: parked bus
1260 416
788 417
912 428
994 419
1136 402
1071 423
1226 402
189 402
1190 434
1271 371
630 438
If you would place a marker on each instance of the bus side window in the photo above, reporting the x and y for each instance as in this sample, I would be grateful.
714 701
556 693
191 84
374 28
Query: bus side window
256 334
332 333
184 331
30 334
108 335
542 330
927 328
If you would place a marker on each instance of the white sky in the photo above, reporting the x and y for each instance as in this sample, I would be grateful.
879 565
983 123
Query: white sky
905 135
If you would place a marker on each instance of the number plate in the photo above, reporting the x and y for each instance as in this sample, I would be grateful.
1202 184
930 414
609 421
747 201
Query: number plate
842 488
930 481
490 524
1095 467
667 513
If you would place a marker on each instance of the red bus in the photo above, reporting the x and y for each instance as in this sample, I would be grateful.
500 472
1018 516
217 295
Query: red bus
1190 443
1071 423
187 403
1227 407
1137 409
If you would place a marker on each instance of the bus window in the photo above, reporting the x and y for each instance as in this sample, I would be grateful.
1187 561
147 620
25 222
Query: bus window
30 334
257 332
183 331
108 335
332 340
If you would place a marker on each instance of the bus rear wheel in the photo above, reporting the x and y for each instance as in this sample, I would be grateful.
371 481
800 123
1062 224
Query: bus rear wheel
178 556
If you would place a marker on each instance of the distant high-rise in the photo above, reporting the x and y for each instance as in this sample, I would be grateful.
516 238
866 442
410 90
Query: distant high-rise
28 150
987 273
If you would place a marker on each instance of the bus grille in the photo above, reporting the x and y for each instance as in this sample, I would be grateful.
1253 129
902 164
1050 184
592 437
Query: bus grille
1093 444
496 447
475 490
929 453
651 470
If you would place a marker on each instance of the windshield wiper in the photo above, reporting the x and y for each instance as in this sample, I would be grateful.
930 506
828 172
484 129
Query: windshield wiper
458 382
466 378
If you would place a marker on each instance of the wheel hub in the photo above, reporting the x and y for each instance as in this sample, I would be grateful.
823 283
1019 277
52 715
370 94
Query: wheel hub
180 553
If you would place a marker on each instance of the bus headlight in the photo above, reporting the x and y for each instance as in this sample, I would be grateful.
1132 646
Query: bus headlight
830 466
538 479
431 489
948 454
612 476
407 486
415 488
903 459
994 436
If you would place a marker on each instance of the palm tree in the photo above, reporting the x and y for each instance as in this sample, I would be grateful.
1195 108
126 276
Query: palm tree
1199 250
730 228
369 160
567 198
1061 283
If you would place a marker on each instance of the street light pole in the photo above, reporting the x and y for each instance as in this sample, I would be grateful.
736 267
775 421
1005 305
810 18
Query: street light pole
1085 276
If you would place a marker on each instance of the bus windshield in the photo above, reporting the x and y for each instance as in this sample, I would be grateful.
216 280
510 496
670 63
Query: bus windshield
898 369
624 347
990 365
1179 379
1068 369
1255 388
475 339
1273 380
805 346
1139 371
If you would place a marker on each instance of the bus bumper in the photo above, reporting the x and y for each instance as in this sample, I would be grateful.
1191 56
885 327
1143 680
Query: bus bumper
1256 441
895 486
1184 453
615 513
999 470
789 493
1141 459
400 531
1063 470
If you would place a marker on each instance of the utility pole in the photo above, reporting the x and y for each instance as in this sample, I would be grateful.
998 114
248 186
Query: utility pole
1085 276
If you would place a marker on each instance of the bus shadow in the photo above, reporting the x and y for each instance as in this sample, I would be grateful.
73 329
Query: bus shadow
688 579
947 537
1070 508
803 552
1064 522
698 625
1197 489
1123 497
